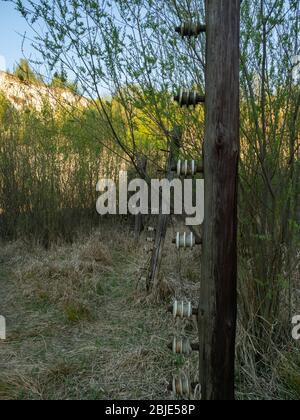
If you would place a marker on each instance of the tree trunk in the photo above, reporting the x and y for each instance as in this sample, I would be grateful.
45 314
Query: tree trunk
218 295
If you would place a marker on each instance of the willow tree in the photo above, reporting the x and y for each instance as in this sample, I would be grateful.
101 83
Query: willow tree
270 163
128 51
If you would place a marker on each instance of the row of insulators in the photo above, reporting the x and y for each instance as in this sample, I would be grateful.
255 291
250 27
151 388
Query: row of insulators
189 97
181 385
187 168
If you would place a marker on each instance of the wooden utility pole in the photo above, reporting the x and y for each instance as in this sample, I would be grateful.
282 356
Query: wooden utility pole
218 295
163 219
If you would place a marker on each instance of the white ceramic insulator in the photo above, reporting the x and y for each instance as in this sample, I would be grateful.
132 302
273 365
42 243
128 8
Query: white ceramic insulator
185 167
182 309
150 239
182 386
191 241
193 168
179 168
185 240
194 97
181 346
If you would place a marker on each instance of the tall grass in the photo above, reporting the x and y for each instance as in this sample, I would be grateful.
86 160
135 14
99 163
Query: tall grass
50 163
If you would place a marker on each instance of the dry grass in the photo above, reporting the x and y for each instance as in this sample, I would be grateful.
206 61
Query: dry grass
80 325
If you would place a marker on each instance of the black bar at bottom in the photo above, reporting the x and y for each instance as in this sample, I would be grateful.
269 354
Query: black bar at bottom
137 409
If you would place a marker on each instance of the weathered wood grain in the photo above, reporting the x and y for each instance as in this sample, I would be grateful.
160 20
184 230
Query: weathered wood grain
218 299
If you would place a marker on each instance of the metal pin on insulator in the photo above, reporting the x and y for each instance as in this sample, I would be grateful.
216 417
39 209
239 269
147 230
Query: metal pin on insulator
189 98
190 29
185 167
182 310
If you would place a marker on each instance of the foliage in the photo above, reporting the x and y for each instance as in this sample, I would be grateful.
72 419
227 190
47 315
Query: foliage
60 81
49 166
25 73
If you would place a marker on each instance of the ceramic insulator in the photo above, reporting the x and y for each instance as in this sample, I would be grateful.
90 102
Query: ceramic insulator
181 346
182 309
185 240
181 386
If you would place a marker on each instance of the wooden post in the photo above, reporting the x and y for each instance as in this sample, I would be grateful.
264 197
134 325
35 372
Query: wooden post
218 295
139 219
161 230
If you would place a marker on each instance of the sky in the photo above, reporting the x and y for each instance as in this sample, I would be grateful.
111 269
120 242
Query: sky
12 28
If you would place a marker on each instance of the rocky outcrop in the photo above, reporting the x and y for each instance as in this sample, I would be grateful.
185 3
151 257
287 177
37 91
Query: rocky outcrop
23 94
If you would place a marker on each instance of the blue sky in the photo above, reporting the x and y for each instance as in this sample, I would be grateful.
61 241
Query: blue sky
12 27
